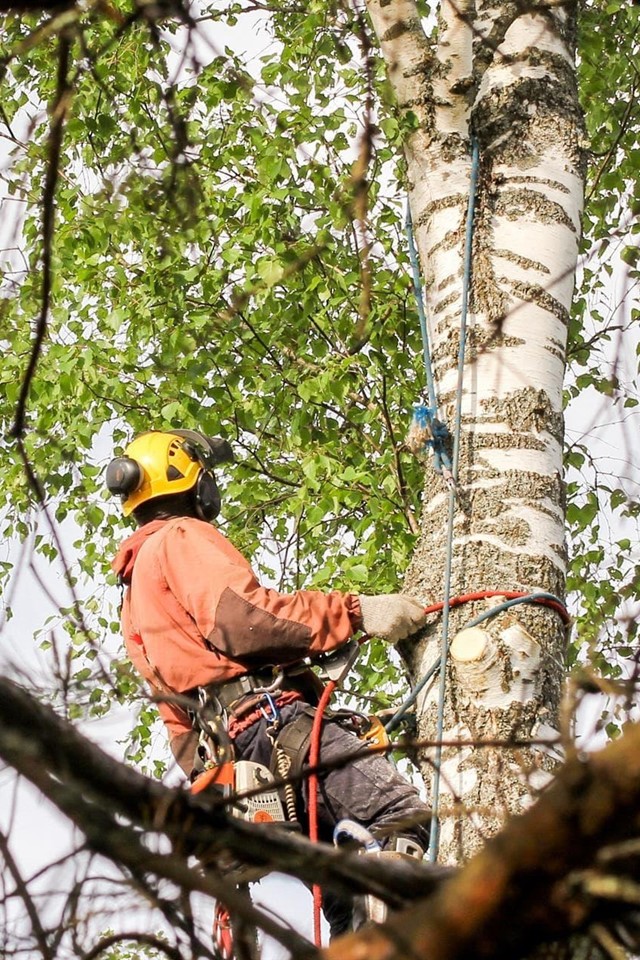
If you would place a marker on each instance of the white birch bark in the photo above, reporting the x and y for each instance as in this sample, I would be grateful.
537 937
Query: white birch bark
504 74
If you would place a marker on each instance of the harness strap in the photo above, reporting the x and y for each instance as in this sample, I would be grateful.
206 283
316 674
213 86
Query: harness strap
244 693
294 741
294 738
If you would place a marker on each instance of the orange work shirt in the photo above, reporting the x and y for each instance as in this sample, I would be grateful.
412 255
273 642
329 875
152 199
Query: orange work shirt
194 613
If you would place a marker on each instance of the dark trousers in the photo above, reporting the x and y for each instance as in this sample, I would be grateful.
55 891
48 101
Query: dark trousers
369 790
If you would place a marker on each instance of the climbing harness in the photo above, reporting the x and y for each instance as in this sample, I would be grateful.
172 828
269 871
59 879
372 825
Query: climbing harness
216 767
255 697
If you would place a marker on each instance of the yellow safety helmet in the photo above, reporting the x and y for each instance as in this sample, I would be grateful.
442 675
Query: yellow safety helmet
160 464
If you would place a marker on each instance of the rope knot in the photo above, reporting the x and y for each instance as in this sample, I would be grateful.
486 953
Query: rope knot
426 432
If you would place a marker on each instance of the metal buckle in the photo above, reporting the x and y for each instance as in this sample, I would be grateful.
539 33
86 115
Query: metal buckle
214 745
337 664
272 688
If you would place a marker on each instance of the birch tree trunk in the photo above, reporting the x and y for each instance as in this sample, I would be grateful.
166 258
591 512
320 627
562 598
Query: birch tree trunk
504 75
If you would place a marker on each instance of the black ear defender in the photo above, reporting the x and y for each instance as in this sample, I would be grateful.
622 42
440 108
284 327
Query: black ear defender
209 452
123 476
207 497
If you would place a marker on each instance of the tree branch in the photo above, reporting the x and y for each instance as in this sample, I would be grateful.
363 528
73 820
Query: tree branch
529 870
524 872
79 778
23 892
58 117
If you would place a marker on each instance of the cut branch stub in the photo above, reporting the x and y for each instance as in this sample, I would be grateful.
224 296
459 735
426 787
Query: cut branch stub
496 672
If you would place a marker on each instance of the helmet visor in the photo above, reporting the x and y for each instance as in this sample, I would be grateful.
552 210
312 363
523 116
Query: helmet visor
215 449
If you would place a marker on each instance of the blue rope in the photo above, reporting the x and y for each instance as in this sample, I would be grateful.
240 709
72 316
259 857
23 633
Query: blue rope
434 840
400 713
417 289
406 704
426 417
530 598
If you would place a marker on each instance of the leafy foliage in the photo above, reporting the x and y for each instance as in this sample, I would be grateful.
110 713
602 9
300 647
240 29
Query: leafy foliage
214 235
208 265
208 272
602 392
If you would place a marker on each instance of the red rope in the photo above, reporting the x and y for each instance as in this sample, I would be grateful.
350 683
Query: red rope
507 594
314 757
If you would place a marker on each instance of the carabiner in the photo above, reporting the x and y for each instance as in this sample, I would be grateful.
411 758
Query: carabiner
272 714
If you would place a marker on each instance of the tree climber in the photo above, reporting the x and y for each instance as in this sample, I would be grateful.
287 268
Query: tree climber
196 622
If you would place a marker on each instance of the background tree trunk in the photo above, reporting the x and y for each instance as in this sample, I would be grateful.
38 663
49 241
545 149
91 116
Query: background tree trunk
506 78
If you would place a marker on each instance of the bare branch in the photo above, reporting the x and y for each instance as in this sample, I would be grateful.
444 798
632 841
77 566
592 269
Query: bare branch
141 938
58 117
23 892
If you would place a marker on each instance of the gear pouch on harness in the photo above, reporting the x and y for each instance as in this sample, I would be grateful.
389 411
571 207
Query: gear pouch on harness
292 743
240 777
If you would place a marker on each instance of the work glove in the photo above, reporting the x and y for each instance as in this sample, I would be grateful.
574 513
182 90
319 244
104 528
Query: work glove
391 616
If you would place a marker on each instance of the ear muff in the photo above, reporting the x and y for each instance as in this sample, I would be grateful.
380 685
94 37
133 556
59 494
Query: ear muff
123 476
207 498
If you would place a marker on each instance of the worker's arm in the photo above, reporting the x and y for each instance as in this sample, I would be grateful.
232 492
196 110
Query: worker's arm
242 619
262 624
238 616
